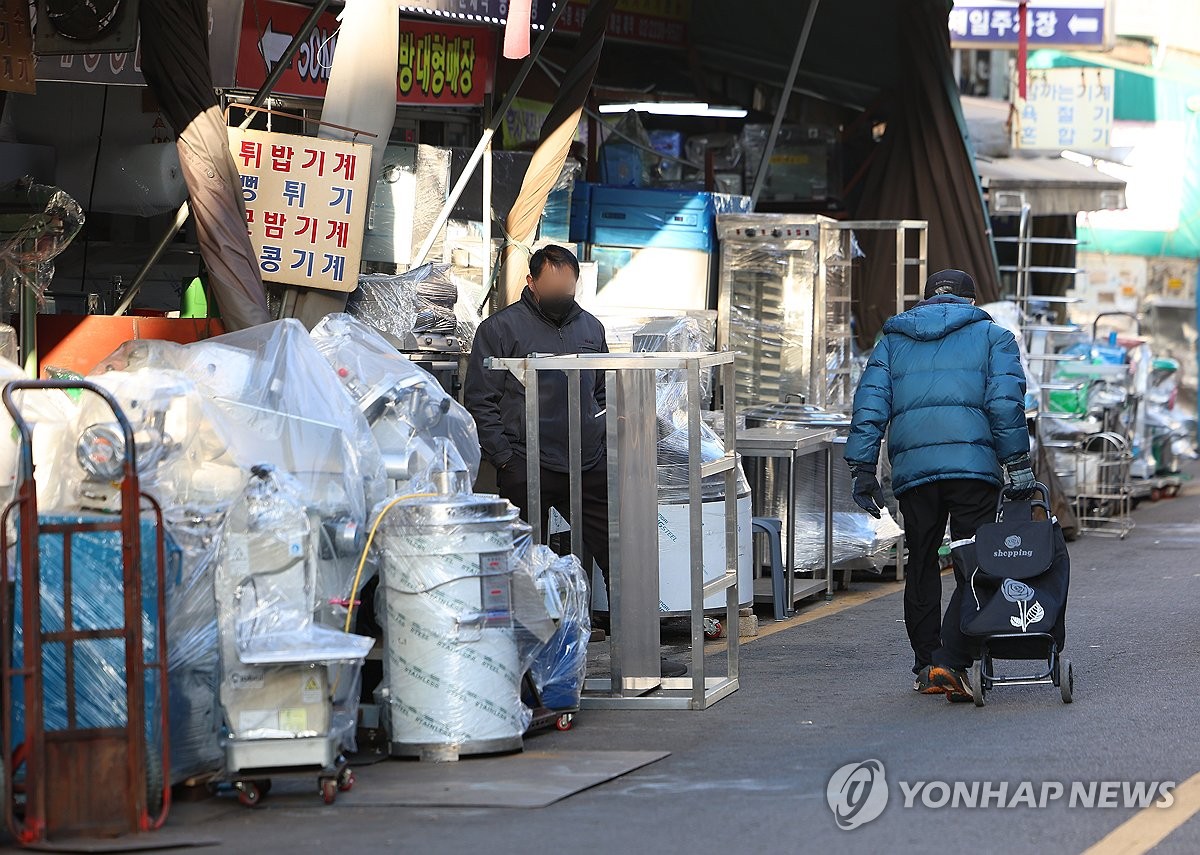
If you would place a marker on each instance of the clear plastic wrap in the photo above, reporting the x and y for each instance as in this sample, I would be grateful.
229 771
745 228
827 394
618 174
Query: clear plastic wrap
1008 315
276 681
778 278
96 696
559 670
37 224
463 619
627 156
186 463
282 404
857 536
410 415
50 415
682 335
422 302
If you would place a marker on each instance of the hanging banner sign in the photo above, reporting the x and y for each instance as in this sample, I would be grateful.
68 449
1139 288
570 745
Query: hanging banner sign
441 64
16 48
1065 108
656 22
306 202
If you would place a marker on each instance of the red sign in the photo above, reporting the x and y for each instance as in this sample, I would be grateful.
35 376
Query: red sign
439 63
657 22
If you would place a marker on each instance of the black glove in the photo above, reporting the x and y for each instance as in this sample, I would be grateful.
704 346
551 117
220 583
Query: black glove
1020 478
868 495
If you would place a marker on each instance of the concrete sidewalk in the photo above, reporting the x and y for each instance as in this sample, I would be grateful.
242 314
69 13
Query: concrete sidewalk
750 774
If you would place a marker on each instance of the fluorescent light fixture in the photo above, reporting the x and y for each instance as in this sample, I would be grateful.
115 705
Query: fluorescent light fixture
677 108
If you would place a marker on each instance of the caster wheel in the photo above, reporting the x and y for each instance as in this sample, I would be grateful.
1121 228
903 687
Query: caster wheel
712 628
1066 679
345 781
975 676
1156 495
249 794
329 790
564 722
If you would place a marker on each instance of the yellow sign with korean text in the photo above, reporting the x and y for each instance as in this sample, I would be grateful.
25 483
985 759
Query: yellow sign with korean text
1065 108
306 202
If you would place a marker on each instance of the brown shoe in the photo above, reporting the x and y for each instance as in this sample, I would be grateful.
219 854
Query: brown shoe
953 682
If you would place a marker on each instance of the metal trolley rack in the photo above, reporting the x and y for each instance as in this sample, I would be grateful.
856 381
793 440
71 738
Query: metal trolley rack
629 381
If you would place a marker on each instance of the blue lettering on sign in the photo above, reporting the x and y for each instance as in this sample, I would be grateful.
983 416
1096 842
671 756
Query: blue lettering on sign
986 24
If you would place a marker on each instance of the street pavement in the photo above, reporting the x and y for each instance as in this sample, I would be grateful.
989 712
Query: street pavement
750 774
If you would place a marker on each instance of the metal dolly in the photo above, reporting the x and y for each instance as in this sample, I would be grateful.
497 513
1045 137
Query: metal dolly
89 778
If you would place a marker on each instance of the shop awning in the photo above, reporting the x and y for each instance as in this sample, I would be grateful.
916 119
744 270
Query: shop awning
1050 185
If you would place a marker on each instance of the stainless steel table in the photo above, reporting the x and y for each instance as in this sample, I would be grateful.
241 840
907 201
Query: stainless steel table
789 445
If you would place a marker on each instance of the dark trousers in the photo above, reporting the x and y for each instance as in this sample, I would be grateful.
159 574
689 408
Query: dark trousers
967 504
513 484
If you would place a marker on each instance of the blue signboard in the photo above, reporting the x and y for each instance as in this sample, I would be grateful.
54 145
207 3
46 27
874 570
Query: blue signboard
981 24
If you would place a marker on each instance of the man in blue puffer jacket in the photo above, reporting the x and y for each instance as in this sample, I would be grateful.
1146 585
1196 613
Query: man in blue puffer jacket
949 384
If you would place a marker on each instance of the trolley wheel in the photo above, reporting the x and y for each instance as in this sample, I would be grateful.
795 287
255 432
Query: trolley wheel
329 790
712 628
1156 494
564 722
345 780
1172 491
1066 679
975 676
249 793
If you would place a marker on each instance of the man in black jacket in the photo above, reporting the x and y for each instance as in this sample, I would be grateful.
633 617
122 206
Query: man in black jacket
546 320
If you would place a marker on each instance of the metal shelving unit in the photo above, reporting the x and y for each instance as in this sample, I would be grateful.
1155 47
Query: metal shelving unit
635 681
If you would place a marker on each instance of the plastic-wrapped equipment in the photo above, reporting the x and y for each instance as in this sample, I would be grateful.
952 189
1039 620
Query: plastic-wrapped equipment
463 620
410 415
1008 315
186 461
288 685
691 335
282 404
785 307
559 670
37 224
49 414
410 307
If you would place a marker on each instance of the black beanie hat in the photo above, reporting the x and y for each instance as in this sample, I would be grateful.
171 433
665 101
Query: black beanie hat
952 282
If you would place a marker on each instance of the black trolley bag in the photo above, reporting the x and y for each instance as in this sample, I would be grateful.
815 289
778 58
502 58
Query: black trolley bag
1018 572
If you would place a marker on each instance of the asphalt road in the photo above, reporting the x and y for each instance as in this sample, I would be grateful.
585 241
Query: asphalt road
750 774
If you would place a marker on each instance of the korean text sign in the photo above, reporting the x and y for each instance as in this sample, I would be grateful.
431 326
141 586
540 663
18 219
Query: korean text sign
1065 108
306 200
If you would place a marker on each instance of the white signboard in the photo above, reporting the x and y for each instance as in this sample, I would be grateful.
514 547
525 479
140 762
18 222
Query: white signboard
306 200
1065 108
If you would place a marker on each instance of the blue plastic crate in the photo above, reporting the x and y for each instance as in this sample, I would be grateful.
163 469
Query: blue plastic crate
581 211
669 219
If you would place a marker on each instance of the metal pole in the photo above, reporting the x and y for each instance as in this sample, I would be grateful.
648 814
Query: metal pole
486 140
487 219
784 97
260 97
155 254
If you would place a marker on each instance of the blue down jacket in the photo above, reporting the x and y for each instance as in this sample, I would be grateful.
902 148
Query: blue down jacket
949 382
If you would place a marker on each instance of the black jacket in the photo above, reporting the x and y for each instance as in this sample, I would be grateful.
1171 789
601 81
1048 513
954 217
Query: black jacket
497 400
